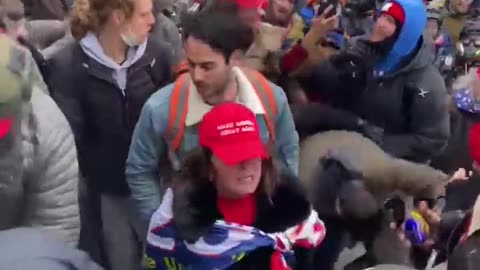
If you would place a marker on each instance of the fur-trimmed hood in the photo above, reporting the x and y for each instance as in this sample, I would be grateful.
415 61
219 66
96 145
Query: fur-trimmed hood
380 172
195 211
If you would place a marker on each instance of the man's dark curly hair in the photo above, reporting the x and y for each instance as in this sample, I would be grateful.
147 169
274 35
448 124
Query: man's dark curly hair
221 29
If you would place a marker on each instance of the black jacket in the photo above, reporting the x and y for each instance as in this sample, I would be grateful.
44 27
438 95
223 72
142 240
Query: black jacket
102 118
409 104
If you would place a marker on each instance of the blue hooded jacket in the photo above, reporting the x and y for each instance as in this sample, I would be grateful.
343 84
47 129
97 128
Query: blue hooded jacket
407 41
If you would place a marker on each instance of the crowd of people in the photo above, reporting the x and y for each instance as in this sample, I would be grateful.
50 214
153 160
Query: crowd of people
239 134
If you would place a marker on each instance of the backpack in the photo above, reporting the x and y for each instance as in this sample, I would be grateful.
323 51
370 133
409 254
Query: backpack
37 56
178 109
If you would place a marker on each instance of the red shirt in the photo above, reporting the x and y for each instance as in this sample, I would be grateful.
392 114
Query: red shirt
241 211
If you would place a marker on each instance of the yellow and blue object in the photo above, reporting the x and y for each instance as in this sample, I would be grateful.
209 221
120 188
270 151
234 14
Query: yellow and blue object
416 228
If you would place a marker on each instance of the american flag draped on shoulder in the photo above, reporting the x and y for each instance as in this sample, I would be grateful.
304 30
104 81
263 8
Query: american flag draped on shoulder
224 245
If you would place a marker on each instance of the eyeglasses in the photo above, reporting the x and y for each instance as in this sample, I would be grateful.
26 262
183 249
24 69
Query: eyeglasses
468 41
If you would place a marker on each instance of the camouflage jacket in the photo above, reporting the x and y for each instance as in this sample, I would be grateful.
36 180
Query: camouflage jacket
16 61
19 76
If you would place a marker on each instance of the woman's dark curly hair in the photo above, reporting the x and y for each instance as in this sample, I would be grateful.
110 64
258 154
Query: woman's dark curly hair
197 170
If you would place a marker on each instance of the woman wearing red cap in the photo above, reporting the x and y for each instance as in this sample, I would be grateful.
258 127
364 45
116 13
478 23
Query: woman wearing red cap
229 208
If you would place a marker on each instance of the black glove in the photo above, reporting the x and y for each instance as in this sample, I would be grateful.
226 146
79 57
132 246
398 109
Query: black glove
352 73
370 131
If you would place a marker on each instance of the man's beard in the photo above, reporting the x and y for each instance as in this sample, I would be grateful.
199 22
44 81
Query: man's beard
214 95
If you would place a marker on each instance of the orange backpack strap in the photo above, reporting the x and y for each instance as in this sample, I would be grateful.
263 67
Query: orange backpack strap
177 112
265 94
181 68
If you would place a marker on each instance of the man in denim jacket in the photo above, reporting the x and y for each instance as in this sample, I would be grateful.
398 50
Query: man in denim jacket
213 52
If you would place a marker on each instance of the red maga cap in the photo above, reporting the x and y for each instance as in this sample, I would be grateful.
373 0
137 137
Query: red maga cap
230 131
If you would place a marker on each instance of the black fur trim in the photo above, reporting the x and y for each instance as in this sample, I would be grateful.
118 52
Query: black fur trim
195 209
289 206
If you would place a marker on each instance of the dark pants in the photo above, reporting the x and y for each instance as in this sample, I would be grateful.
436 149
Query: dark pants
91 240
327 254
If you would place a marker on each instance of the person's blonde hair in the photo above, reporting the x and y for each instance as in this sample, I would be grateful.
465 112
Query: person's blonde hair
91 15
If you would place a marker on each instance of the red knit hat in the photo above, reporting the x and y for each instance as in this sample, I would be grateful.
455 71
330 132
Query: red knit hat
474 142
395 10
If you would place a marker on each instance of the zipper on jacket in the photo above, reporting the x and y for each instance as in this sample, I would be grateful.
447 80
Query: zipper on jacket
125 107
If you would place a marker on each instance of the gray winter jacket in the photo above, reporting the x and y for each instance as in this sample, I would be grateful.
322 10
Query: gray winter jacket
46 193
166 31
38 160
50 160
419 124
26 248
409 104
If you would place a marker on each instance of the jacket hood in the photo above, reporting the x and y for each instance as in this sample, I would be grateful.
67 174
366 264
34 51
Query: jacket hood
409 36
195 212
94 50
423 57
26 248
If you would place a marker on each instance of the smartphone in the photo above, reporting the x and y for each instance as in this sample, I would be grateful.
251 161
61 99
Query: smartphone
324 4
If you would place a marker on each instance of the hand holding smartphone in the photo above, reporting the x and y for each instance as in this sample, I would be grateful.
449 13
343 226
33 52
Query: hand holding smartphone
325 21
327 8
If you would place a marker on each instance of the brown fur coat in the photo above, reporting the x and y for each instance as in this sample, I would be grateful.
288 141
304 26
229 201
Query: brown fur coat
380 172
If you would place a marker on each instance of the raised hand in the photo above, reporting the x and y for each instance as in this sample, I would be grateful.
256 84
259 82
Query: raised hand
461 175
325 23
320 25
